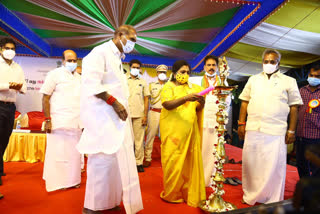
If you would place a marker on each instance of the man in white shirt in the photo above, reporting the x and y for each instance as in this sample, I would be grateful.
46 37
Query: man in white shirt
155 89
268 98
61 106
210 135
108 137
12 81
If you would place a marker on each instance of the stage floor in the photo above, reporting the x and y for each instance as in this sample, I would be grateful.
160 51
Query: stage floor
25 192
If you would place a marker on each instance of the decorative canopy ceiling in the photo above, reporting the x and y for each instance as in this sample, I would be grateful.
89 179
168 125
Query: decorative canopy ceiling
167 29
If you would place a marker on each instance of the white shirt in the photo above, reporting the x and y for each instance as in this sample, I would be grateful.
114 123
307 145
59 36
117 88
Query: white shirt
10 73
64 88
269 101
102 71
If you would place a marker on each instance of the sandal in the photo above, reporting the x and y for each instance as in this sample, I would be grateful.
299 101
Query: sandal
237 180
230 181
232 161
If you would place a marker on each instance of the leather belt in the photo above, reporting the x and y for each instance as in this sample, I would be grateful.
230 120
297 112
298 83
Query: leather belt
7 103
156 109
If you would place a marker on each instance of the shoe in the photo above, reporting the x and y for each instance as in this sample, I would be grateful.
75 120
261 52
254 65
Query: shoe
230 181
140 168
146 164
237 180
1 196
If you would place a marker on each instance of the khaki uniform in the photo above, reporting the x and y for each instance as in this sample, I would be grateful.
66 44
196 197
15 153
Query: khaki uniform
153 117
138 89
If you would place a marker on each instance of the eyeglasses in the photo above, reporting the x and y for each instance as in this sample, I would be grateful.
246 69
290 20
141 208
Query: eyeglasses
272 62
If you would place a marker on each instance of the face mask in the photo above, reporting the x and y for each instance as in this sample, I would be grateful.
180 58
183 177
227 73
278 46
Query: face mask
8 54
210 75
313 81
162 77
182 78
71 66
269 68
128 47
134 72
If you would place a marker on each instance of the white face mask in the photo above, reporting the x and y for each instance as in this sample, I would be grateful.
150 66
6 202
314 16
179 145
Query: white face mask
210 75
134 71
71 66
162 77
269 68
8 54
128 47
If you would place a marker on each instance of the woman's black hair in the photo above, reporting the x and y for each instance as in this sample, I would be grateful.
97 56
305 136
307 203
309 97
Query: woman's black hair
177 65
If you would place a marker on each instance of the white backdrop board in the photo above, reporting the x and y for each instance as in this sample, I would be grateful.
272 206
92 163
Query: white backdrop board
35 71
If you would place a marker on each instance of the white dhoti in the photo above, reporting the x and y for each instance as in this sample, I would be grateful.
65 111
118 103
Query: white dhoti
263 167
62 165
103 189
112 177
209 138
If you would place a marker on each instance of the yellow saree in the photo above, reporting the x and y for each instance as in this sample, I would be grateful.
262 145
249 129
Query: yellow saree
180 131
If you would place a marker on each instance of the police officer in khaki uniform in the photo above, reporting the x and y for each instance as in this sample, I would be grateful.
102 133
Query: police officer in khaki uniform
138 107
154 113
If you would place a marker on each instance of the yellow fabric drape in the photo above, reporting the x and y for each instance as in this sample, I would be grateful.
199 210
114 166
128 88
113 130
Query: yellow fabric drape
181 158
29 147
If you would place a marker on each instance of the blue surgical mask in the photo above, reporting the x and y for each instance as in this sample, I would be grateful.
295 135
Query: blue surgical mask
71 66
313 81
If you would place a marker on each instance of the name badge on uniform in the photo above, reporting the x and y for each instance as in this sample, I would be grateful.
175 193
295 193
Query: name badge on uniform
312 104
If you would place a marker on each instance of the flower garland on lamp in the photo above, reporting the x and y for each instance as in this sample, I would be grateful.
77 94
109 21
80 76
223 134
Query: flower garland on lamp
215 203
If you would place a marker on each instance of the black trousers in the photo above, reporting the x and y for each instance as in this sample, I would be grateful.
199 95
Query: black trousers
305 168
7 112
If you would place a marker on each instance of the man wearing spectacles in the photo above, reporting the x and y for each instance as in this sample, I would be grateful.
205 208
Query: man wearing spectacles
267 100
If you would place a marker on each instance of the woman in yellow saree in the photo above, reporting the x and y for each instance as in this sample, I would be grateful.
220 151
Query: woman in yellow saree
180 132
